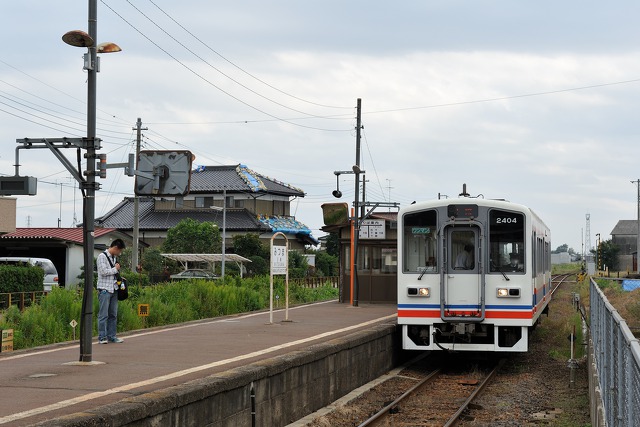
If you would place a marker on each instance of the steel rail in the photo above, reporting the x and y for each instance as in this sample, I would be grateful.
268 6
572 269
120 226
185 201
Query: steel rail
455 417
381 414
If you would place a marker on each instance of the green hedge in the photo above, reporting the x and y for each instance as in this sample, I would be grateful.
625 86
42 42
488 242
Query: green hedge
21 278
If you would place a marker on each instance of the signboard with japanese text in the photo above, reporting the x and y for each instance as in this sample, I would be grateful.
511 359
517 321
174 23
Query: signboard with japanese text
279 259
372 229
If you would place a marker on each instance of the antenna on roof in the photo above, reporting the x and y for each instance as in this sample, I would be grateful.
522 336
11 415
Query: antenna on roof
464 191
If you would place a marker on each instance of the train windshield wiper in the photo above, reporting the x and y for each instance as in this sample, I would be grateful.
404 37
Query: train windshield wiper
497 267
424 270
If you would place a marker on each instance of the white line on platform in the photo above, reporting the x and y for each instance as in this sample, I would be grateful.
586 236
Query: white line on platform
173 375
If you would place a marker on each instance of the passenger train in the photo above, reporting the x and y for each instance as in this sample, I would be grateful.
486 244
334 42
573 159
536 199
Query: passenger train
474 274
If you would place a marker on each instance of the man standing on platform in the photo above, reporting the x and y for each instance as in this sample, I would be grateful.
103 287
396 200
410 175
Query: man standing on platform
108 270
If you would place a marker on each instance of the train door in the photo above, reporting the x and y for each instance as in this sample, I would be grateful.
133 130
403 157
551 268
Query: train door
462 295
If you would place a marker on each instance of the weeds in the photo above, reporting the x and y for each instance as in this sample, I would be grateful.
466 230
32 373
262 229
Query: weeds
176 302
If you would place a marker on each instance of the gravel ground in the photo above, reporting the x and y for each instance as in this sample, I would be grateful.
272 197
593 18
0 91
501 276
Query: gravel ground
532 388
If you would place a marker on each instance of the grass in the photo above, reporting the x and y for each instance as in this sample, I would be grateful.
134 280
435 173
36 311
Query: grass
48 321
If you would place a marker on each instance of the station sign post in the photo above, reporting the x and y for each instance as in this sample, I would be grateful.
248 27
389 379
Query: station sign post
279 266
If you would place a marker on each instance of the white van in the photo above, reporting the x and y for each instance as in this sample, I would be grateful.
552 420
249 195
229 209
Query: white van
50 272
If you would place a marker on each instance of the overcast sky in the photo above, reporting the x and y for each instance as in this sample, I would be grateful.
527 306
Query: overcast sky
534 102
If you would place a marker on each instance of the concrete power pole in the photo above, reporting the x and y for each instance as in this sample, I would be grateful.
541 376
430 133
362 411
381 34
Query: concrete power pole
356 170
136 202
637 182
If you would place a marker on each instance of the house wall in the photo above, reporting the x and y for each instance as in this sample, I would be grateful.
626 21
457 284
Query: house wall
7 215
626 243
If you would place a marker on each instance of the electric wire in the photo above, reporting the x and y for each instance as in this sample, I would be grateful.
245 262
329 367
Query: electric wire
504 98
375 171
209 82
84 102
217 69
240 68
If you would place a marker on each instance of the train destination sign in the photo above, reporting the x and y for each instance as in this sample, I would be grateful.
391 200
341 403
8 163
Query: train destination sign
462 211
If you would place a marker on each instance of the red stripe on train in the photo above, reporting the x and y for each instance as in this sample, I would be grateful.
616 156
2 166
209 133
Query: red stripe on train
488 314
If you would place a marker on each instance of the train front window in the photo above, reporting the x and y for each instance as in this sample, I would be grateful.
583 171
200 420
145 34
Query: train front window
506 241
420 244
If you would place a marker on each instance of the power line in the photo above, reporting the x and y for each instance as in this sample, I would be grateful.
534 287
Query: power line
240 68
200 76
214 67
503 98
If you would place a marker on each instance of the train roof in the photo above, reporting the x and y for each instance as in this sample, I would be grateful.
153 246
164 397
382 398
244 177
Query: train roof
497 203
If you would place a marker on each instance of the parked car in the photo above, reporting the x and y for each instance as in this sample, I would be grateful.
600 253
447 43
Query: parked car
50 272
194 273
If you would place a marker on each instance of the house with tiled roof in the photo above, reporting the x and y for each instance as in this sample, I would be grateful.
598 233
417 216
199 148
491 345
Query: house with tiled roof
253 203
63 246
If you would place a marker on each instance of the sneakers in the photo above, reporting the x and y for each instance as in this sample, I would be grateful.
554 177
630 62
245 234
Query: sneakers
102 341
116 340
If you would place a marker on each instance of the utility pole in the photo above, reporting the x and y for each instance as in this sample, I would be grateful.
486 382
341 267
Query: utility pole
136 201
356 170
637 182
89 187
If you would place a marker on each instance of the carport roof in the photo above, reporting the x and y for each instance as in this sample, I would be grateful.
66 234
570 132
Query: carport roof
74 234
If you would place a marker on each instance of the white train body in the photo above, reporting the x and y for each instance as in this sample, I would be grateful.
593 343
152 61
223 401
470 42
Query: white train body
483 299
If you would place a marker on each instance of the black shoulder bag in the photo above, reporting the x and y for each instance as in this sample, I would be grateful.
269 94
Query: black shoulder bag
123 291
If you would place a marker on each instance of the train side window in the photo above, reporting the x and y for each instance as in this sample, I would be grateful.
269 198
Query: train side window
420 248
506 241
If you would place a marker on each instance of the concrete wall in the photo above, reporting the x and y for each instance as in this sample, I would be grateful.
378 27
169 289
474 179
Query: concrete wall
286 387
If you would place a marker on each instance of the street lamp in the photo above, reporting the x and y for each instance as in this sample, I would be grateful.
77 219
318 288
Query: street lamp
224 227
89 186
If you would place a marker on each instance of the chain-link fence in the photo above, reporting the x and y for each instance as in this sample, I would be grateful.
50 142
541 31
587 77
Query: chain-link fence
617 358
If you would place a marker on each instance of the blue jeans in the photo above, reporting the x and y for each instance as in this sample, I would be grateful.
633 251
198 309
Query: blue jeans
107 315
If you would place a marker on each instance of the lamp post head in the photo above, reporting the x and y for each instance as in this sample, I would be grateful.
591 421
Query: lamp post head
78 38
108 47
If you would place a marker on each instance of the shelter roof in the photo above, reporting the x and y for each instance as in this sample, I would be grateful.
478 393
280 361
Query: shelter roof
206 257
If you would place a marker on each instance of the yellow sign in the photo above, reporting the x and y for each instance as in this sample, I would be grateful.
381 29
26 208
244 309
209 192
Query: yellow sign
7 335
143 310
6 344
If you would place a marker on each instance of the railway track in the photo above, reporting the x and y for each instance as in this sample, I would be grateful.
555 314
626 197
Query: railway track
558 280
438 399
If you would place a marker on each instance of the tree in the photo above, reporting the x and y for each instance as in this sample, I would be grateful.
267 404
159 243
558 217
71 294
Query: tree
333 244
248 245
326 264
562 248
193 237
298 265
608 255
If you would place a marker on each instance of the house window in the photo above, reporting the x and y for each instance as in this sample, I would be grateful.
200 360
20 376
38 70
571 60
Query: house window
204 202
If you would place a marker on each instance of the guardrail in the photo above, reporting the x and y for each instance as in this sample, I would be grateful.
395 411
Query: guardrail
316 282
617 359
21 299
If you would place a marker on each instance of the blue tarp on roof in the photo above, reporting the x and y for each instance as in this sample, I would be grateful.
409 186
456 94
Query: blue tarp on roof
287 225
630 285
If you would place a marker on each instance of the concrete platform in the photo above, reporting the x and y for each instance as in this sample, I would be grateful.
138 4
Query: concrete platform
45 383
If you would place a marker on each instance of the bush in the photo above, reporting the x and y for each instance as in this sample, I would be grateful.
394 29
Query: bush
48 321
25 278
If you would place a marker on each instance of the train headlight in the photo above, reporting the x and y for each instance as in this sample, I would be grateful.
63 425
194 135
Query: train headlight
508 292
419 292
